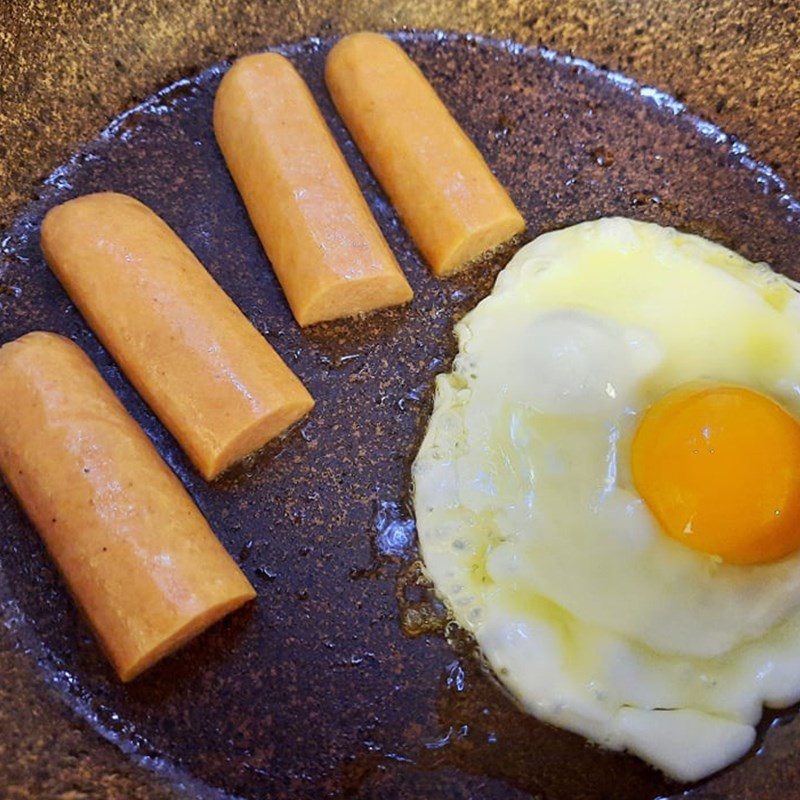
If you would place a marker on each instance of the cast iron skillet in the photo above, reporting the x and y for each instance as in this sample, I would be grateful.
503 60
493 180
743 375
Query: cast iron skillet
345 679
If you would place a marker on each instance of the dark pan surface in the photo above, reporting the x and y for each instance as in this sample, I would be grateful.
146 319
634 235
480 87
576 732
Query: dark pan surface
343 680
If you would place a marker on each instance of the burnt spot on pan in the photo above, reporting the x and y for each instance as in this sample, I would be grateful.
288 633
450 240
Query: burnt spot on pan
345 678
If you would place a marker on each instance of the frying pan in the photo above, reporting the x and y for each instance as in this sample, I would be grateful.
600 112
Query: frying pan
345 681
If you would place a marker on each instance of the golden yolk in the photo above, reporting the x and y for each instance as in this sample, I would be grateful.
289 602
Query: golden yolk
719 468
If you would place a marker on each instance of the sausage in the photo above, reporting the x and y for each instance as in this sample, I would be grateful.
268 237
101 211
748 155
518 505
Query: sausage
452 205
324 244
134 550
208 374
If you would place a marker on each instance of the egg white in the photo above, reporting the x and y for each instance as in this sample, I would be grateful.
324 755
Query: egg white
528 521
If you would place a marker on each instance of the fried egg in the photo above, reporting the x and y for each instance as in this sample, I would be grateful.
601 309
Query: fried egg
608 492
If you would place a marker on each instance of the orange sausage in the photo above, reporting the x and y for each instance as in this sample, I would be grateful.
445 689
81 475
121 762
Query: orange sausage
452 205
134 550
324 245
209 375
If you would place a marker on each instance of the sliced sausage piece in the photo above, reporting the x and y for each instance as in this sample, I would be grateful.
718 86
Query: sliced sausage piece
323 242
208 374
134 550
452 205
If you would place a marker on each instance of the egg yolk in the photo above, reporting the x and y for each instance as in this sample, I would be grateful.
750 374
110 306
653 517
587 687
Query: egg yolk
719 467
